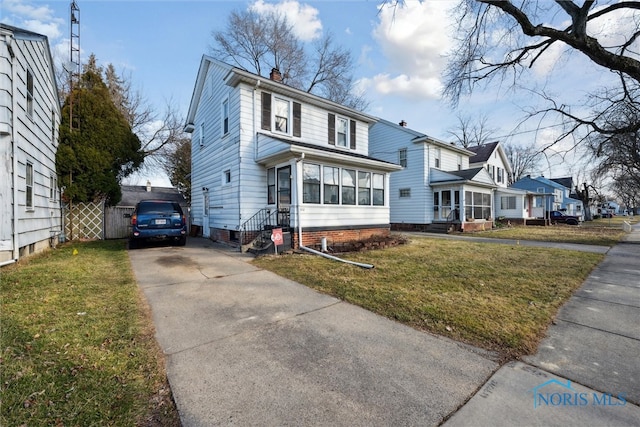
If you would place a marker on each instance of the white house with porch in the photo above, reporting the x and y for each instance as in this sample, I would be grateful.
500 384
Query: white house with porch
266 155
436 189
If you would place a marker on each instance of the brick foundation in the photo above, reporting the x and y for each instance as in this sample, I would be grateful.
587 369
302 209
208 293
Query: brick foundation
314 238
477 226
230 237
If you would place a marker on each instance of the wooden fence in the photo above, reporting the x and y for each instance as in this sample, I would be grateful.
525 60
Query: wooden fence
94 221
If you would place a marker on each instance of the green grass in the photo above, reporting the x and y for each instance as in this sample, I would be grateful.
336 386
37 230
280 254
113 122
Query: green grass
499 297
77 344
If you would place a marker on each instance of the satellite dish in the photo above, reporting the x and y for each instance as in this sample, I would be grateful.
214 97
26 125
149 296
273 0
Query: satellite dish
69 66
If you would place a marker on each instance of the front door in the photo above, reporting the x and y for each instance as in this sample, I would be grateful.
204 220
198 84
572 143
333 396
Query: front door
284 195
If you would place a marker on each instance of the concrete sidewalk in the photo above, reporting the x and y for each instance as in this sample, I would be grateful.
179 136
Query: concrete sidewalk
247 347
587 371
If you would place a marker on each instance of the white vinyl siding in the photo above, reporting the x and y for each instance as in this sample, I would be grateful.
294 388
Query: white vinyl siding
31 113
386 142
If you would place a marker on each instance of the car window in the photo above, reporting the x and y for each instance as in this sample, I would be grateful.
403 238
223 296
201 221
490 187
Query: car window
159 208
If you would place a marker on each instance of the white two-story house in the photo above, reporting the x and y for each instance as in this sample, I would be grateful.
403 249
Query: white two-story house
30 218
267 155
511 204
436 187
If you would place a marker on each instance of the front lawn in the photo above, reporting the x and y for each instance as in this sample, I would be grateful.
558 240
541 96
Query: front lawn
603 232
500 297
77 344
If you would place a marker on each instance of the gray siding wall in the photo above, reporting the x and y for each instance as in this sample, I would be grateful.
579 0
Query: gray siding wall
35 141
385 141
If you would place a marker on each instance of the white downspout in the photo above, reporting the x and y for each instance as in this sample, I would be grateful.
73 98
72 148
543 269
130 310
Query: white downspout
255 126
14 153
298 219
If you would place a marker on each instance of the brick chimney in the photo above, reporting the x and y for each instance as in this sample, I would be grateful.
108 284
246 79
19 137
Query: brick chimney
275 75
403 123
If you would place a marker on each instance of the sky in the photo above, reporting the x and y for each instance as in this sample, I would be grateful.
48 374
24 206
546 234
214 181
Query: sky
400 54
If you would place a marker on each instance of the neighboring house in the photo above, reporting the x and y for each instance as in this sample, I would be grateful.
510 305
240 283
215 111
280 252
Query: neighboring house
492 157
436 188
548 195
132 194
267 155
511 204
30 219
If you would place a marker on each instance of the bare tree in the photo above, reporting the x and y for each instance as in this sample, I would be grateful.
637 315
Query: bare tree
524 159
618 155
259 43
626 189
501 39
472 131
177 165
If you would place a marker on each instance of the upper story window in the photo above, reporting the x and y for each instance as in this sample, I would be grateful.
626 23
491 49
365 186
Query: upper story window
29 93
402 157
342 131
225 116
459 162
201 138
437 155
281 115
53 127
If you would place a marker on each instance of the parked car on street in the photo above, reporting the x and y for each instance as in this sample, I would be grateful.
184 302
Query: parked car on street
158 220
558 217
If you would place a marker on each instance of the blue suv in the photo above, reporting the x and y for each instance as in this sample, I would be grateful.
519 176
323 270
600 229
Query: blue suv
158 220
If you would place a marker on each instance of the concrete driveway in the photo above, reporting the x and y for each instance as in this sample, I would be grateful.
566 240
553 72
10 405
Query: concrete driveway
245 346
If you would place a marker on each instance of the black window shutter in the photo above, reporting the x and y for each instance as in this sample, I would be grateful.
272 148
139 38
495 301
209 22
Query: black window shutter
352 137
297 119
332 129
266 111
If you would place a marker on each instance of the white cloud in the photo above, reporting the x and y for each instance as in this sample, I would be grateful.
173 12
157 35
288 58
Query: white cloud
413 87
39 19
304 18
614 28
414 38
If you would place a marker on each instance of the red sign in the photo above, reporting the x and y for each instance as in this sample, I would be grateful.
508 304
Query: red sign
276 236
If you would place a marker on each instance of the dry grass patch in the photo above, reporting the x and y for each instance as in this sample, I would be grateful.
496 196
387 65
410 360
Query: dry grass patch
499 297
77 344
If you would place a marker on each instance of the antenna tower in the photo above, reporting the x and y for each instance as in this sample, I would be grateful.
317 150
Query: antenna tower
74 73
74 38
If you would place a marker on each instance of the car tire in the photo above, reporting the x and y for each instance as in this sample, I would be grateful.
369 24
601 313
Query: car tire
572 222
182 241
133 244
